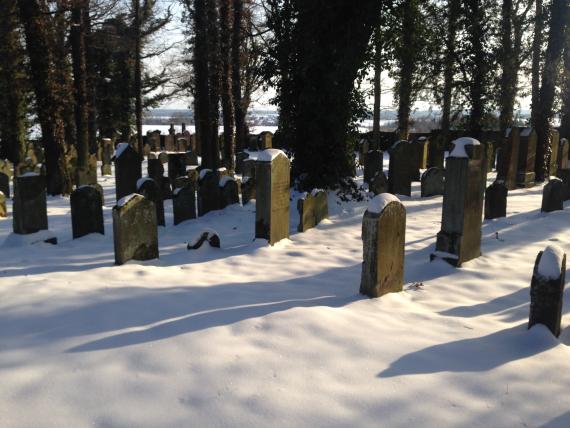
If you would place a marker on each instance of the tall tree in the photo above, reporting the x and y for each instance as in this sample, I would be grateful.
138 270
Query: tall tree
537 41
565 116
236 60
449 66
559 15
137 87
226 17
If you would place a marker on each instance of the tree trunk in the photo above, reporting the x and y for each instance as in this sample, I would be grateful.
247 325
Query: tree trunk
556 36
35 20
536 60
138 75
407 60
509 68
12 82
91 82
227 102
237 43
377 85
565 123
479 67
449 65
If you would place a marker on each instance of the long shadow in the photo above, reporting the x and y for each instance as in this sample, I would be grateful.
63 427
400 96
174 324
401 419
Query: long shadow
166 312
475 355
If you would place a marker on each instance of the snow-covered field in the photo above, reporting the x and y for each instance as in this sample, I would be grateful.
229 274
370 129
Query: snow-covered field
250 335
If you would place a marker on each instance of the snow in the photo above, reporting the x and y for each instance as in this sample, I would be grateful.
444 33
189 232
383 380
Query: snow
29 174
268 155
550 264
203 173
398 142
379 202
316 191
121 147
252 335
459 147
224 180
125 199
525 132
142 180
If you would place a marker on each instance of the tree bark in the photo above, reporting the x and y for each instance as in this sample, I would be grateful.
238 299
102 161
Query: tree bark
407 60
226 93
377 84
565 122
236 55
509 67
536 60
449 64
479 67
138 75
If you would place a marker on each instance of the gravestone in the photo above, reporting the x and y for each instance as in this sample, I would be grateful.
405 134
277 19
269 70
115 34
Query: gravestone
163 157
378 184
191 158
547 289
489 155
169 143
240 158
248 168
527 155
436 150
176 166
563 154
155 169
564 175
508 161
86 211
496 200
5 184
312 208
182 144
555 141
180 182
229 192
422 147
150 189
374 163
465 176
252 142
272 176
106 155
184 203
127 170
30 205
414 160
553 196
208 192
383 237
265 140
3 210
400 171
247 189
135 234
432 182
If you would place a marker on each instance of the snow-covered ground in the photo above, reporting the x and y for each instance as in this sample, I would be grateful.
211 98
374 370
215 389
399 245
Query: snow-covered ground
251 335
192 129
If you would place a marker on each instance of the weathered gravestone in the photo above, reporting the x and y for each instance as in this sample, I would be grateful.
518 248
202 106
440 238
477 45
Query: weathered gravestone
169 143
414 160
135 234
127 170
555 144
191 158
508 161
432 182
229 191
240 158
383 236
180 182
400 171
181 144
248 168
208 192
465 175
3 210
247 189
150 189
184 203
553 196
496 200
163 157
374 163
155 170
272 176
86 211
5 184
378 184
564 175
265 140
252 142
436 151
563 154
313 208
547 289
527 155
30 205
176 166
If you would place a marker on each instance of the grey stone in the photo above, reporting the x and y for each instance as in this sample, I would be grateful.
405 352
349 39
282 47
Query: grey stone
378 184
527 155
460 237
229 192
86 211
248 168
135 233
150 189
127 172
169 143
374 163
265 140
30 205
547 296
508 160
184 203
564 175
247 190
496 201
272 198
400 171
433 182
383 236
553 196
208 192
312 208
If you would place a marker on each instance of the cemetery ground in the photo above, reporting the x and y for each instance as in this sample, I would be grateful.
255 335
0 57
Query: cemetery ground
252 335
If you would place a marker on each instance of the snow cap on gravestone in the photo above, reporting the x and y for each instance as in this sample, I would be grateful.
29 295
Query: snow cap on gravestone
381 201
269 154
459 147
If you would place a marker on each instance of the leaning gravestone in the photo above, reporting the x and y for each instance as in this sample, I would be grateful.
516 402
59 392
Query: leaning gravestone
507 168
527 155
135 234
272 175
30 205
176 166
555 144
378 184
208 192
400 171
432 182
547 289
383 236
465 175
312 208
496 201
229 192
553 196
184 203
150 189
374 163
5 184
127 170
3 210
86 211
